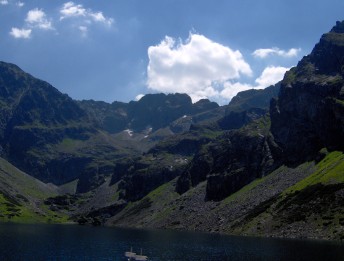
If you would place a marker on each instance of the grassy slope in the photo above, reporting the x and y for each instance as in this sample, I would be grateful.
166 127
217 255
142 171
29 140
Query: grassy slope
306 201
329 171
312 207
290 202
22 196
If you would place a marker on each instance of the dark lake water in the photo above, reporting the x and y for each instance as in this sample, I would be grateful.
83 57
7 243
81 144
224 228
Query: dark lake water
72 242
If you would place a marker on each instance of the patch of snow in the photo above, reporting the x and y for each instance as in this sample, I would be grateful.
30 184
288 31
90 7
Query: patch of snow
130 132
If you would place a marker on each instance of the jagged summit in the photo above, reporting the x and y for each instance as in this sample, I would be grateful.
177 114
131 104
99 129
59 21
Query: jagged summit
338 28
309 109
328 55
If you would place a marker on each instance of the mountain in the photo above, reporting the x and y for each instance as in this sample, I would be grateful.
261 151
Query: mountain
90 143
22 196
311 101
48 135
280 175
56 139
151 112
277 175
254 98
270 163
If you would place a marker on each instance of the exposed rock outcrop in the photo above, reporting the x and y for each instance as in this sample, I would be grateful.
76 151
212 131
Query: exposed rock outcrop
308 114
232 161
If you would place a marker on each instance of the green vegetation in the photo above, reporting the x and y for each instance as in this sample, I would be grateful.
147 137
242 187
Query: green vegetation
290 76
340 102
257 127
24 183
335 38
162 192
14 211
328 171
243 191
22 196
68 144
69 187
154 207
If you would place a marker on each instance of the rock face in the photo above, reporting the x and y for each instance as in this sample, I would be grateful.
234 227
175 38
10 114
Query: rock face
33 115
247 158
308 114
27 100
232 161
158 110
170 158
254 98
306 117
236 120
56 139
153 111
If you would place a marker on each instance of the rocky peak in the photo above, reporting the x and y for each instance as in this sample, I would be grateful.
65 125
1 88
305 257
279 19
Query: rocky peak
328 55
308 113
203 105
253 98
338 28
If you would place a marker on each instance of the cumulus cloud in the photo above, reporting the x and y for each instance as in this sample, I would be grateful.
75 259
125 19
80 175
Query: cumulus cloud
20 33
37 18
198 67
231 89
263 53
271 75
72 10
99 17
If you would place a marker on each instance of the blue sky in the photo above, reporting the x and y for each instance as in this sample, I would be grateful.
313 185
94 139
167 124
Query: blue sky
120 50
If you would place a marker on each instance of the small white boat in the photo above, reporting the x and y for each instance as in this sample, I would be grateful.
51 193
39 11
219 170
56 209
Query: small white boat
132 256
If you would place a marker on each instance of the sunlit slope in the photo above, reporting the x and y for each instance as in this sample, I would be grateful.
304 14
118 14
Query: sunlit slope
305 201
22 196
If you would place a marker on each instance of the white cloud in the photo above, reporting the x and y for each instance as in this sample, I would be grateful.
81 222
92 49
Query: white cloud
198 67
263 53
20 33
99 17
3 2
72 10
271 75
37 18
139 96
231 89
20 4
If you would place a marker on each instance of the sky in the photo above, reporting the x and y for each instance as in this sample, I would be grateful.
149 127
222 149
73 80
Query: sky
121 50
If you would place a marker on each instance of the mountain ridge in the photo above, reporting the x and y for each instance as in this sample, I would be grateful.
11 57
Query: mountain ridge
252 167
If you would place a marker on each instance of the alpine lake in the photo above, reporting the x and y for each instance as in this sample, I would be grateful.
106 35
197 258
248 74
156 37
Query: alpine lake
73 242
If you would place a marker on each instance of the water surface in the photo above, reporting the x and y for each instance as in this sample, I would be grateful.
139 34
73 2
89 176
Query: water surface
72 242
